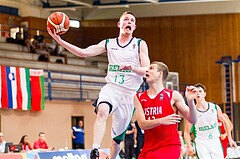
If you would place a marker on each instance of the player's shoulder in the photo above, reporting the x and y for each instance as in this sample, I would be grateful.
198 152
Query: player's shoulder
169 91
176 95
140 40
213 104
109 40
139 94
141 43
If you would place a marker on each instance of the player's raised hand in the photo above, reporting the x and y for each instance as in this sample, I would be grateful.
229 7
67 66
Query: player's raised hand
191 92
126 67
53 34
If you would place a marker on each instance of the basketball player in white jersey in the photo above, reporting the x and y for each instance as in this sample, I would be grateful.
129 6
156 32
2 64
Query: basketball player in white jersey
128 60
206 131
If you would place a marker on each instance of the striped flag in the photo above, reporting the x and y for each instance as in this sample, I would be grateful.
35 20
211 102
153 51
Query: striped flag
21 88
15 90
4 88
37 89
9 90
0 86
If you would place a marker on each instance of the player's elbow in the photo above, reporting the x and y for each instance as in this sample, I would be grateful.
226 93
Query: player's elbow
142 125
81 54
193 120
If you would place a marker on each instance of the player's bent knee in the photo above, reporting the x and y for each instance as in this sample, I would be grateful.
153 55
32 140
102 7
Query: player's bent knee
102 112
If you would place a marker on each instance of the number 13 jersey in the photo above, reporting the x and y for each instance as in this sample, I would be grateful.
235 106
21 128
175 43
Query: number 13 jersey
121 55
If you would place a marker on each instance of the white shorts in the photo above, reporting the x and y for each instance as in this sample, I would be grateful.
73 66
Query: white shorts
122 101
209 149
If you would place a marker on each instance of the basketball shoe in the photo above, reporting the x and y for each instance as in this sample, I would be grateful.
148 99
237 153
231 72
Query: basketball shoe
94 154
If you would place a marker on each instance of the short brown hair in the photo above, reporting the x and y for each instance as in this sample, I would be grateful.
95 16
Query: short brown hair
162 67
201 86
127 12
41 133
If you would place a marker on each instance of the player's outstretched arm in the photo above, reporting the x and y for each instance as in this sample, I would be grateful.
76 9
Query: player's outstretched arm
92 50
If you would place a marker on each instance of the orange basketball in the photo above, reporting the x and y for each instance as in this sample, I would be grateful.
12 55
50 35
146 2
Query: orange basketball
59 22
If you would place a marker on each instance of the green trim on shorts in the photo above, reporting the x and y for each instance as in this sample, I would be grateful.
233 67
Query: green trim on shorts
121 136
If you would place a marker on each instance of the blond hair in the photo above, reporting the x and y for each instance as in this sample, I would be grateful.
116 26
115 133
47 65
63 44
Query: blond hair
162 67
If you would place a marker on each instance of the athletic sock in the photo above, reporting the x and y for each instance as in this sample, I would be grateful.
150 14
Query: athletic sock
96 146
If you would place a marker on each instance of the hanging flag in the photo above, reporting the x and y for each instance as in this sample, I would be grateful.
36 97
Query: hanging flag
4 90
9 90
15 90
37 89
0 86
23 88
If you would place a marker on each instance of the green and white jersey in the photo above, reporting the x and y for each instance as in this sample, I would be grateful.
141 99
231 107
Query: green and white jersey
121 55
207 124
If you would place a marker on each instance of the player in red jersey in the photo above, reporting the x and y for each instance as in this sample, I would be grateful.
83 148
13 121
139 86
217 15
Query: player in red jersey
157 113
223 137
